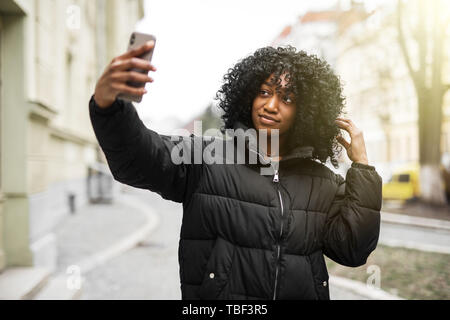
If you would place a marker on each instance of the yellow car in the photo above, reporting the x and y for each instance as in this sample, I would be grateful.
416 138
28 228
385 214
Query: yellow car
404 184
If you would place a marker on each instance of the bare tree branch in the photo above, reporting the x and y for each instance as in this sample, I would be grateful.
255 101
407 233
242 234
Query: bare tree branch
437 48
422 40
402 42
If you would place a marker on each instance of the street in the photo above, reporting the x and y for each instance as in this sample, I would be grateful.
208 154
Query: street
149 271
415 237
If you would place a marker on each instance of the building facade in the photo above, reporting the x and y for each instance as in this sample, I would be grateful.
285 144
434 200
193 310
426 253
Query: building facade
363 49
380 92
51 54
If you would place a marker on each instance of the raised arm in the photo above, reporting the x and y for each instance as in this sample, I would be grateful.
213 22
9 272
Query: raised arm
353 222
136 155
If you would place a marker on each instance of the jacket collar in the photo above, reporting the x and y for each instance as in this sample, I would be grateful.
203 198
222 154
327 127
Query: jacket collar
301 152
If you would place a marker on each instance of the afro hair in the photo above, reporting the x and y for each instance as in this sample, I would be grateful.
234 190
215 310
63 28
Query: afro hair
316 88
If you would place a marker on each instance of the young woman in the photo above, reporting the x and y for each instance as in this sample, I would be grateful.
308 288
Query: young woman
246 235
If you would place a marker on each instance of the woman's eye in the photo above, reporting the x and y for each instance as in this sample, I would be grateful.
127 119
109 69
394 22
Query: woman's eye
287 99
263 92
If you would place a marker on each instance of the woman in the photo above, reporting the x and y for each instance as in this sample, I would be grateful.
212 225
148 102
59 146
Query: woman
247 235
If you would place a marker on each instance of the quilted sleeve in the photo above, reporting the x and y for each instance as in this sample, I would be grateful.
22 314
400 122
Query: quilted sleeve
140 157
352 226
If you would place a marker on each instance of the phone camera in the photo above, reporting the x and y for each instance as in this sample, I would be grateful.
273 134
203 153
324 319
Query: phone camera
133 38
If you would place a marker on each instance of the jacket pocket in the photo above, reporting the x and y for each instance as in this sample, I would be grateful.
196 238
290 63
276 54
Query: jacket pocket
217 272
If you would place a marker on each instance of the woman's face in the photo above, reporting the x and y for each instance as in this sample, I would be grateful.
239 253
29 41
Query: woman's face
274 109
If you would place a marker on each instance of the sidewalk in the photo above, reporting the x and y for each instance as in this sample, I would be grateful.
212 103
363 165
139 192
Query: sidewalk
93 235
347 289
417 209
83 234
415 232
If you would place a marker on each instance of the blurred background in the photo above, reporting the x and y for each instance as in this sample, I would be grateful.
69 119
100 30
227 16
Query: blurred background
67 230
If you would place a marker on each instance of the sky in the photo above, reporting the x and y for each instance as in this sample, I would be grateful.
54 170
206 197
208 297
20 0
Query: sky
198 41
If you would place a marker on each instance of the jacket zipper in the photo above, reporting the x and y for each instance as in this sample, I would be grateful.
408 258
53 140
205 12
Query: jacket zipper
277 180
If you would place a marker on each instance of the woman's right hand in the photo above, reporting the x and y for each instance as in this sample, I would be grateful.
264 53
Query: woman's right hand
117 73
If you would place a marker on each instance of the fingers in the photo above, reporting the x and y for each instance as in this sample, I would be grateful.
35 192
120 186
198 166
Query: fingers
127 64
344 142
348 126
123 88
348 121
356 149
343 123
133 76
138 51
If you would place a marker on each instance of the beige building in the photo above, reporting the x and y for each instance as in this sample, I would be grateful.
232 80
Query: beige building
317 32
363 49
380 93
51 54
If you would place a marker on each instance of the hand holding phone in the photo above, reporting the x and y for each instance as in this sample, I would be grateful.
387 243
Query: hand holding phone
137 40
126 75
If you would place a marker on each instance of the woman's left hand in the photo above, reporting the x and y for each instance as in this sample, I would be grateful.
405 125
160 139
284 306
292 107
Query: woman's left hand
356 149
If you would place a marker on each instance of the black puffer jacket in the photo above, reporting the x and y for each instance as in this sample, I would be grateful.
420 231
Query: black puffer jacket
245 235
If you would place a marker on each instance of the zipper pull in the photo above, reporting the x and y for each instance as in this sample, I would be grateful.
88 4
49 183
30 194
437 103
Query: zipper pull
275 177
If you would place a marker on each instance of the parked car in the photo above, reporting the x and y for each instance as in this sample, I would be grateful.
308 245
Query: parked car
404 183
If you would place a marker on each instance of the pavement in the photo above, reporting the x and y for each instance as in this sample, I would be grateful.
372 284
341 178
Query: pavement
398 233
347 289
129 250
148 271
83 235
91 237
417 209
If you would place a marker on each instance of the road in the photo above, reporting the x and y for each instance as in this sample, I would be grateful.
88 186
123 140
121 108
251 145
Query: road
414 237
147 272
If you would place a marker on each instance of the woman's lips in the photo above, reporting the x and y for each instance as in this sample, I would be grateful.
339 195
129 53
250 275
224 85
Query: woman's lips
268 121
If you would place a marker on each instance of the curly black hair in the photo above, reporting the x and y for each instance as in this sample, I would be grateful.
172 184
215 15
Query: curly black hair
316 88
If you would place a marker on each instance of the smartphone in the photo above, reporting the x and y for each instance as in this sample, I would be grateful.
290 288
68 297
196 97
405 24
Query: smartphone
138 39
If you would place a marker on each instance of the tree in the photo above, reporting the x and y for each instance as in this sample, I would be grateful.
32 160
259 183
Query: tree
429 28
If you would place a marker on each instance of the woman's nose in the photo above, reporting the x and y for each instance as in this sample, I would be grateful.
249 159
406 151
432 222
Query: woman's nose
272 104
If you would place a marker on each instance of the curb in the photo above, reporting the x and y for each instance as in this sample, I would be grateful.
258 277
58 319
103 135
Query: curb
58 281
361 289
395 243
414 221
418 222
127 243
22 283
